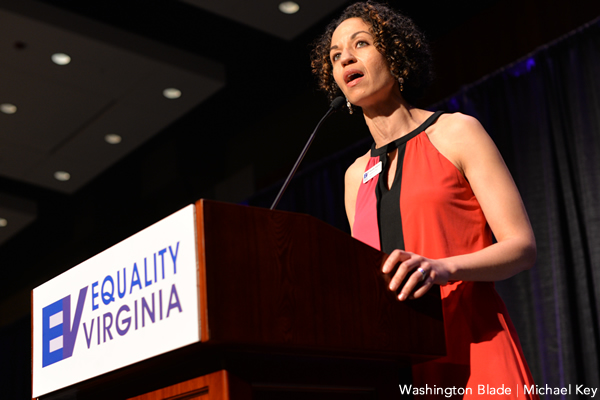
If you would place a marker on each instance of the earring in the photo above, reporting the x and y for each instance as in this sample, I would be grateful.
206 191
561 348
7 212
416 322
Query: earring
401 82
349 106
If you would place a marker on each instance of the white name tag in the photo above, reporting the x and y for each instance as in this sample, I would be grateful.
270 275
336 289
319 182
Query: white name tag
373 171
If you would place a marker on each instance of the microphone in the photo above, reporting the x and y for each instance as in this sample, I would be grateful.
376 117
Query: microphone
335 105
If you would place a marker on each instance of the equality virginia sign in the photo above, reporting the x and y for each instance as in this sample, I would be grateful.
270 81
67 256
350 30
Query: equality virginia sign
136 300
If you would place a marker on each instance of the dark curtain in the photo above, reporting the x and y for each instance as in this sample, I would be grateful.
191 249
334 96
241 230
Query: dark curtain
543 112
317 189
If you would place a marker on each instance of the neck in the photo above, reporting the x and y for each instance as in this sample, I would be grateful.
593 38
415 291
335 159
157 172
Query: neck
390 120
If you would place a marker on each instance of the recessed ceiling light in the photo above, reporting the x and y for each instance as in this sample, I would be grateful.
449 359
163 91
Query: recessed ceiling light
113 138
3 222
172 93
8 108
289 7
62 176
61 58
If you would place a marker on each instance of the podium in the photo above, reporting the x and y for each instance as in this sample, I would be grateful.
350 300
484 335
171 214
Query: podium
290 308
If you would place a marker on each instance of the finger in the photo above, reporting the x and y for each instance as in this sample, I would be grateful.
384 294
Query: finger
403 271
427 284
393 259
412 282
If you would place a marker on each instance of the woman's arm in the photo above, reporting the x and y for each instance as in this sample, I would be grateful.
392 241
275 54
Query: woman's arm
467 145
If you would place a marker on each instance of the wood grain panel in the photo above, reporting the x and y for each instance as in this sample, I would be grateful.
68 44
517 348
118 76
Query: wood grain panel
290 281
203 310
213 386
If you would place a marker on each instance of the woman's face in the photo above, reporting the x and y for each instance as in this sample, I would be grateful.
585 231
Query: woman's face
359 69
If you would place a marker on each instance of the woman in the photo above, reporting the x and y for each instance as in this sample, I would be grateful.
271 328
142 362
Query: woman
430 193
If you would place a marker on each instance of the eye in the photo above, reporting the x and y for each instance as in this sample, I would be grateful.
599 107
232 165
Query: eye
361 43
335 57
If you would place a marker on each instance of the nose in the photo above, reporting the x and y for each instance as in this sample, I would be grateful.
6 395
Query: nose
347 57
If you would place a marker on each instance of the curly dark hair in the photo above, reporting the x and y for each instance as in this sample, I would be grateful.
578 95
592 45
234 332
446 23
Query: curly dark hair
395 36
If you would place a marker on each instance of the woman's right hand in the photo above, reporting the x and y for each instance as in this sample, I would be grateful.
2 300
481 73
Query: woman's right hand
420 273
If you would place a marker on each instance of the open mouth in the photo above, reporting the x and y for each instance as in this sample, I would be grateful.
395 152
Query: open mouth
353 76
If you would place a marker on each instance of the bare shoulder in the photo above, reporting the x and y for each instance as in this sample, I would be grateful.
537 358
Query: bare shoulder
354 176
358 166
457 127
458 136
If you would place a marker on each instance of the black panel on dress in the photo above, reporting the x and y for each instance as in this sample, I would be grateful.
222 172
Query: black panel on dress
389 218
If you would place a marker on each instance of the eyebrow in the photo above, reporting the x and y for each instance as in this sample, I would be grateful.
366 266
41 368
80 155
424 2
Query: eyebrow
351 37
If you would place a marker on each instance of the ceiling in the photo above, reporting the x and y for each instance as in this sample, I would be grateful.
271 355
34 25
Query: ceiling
247 103
113 84
63 124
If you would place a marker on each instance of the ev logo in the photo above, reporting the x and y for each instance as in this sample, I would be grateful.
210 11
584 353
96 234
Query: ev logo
58 335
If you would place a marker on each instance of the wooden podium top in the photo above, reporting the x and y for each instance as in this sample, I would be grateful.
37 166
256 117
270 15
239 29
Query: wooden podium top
290 282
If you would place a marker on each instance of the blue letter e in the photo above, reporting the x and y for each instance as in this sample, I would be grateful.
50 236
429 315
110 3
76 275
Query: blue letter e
52 333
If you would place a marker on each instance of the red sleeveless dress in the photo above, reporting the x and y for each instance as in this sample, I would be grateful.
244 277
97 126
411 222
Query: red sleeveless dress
431 210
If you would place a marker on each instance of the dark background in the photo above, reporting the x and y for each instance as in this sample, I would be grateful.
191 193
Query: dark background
243 140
